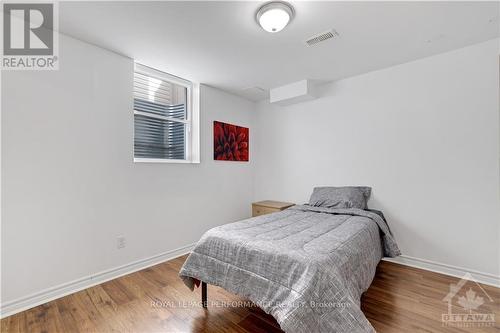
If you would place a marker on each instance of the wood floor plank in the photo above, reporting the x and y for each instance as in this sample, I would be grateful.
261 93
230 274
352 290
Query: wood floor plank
44 318
400 299
65 314
106 307
15 323
118 291
255 324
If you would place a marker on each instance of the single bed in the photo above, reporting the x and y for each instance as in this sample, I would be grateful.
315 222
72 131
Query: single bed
306 266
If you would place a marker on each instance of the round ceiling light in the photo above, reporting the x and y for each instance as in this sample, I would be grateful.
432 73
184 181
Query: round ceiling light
274 16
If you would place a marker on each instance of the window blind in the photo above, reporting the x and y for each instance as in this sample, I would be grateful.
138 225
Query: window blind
160 118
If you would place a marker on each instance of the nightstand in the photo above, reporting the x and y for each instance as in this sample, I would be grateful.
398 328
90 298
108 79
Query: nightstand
269 206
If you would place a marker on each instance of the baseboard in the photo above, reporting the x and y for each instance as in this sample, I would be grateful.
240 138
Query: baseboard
47 295
485 278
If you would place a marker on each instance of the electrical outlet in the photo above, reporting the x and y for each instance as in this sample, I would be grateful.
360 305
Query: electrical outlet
120 242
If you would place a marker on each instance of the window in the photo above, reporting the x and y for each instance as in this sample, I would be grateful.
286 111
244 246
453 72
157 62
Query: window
163 117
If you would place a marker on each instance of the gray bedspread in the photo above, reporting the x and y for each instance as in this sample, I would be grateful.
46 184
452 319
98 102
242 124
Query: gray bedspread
306 266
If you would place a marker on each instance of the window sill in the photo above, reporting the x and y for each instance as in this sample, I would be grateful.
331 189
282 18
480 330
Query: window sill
160 160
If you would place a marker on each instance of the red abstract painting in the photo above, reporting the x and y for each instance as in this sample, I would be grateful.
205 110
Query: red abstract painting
230 142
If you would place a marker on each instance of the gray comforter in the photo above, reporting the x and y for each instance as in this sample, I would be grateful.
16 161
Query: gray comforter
306 266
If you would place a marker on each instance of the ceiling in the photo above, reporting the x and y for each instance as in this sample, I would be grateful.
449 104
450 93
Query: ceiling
220 43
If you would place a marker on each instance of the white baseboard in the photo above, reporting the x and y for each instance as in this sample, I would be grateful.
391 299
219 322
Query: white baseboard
44 296
47 295
486 278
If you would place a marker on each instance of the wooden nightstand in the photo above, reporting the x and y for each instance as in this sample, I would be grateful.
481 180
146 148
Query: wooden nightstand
269 206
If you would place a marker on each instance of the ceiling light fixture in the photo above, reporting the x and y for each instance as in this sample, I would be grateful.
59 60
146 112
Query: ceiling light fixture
274 16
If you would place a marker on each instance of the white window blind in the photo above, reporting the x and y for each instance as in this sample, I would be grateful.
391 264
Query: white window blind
162 116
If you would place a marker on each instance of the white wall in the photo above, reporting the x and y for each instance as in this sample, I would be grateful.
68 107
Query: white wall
424 135
69 184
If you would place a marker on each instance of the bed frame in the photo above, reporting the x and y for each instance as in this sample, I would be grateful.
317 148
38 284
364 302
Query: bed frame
204 294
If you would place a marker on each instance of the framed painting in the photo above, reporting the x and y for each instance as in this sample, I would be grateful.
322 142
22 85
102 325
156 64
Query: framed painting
231 142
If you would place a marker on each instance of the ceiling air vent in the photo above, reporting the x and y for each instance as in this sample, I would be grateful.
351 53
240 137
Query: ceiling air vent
322 37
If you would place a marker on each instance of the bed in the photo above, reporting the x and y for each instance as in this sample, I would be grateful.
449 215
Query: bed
307 266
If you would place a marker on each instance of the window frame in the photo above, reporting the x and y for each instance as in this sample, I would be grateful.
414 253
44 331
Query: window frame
190 157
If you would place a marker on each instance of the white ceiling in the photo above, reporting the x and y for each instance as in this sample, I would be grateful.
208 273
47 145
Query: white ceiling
220 44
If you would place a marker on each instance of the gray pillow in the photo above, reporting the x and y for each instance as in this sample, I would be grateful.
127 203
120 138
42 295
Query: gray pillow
340 197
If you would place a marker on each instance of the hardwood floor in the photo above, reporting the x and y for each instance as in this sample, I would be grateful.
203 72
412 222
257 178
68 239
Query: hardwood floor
401 299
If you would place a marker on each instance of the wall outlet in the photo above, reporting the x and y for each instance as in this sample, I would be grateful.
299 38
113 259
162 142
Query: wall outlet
120 242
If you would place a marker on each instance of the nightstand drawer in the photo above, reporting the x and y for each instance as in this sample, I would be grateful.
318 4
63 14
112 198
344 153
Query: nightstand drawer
268 207
261 210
